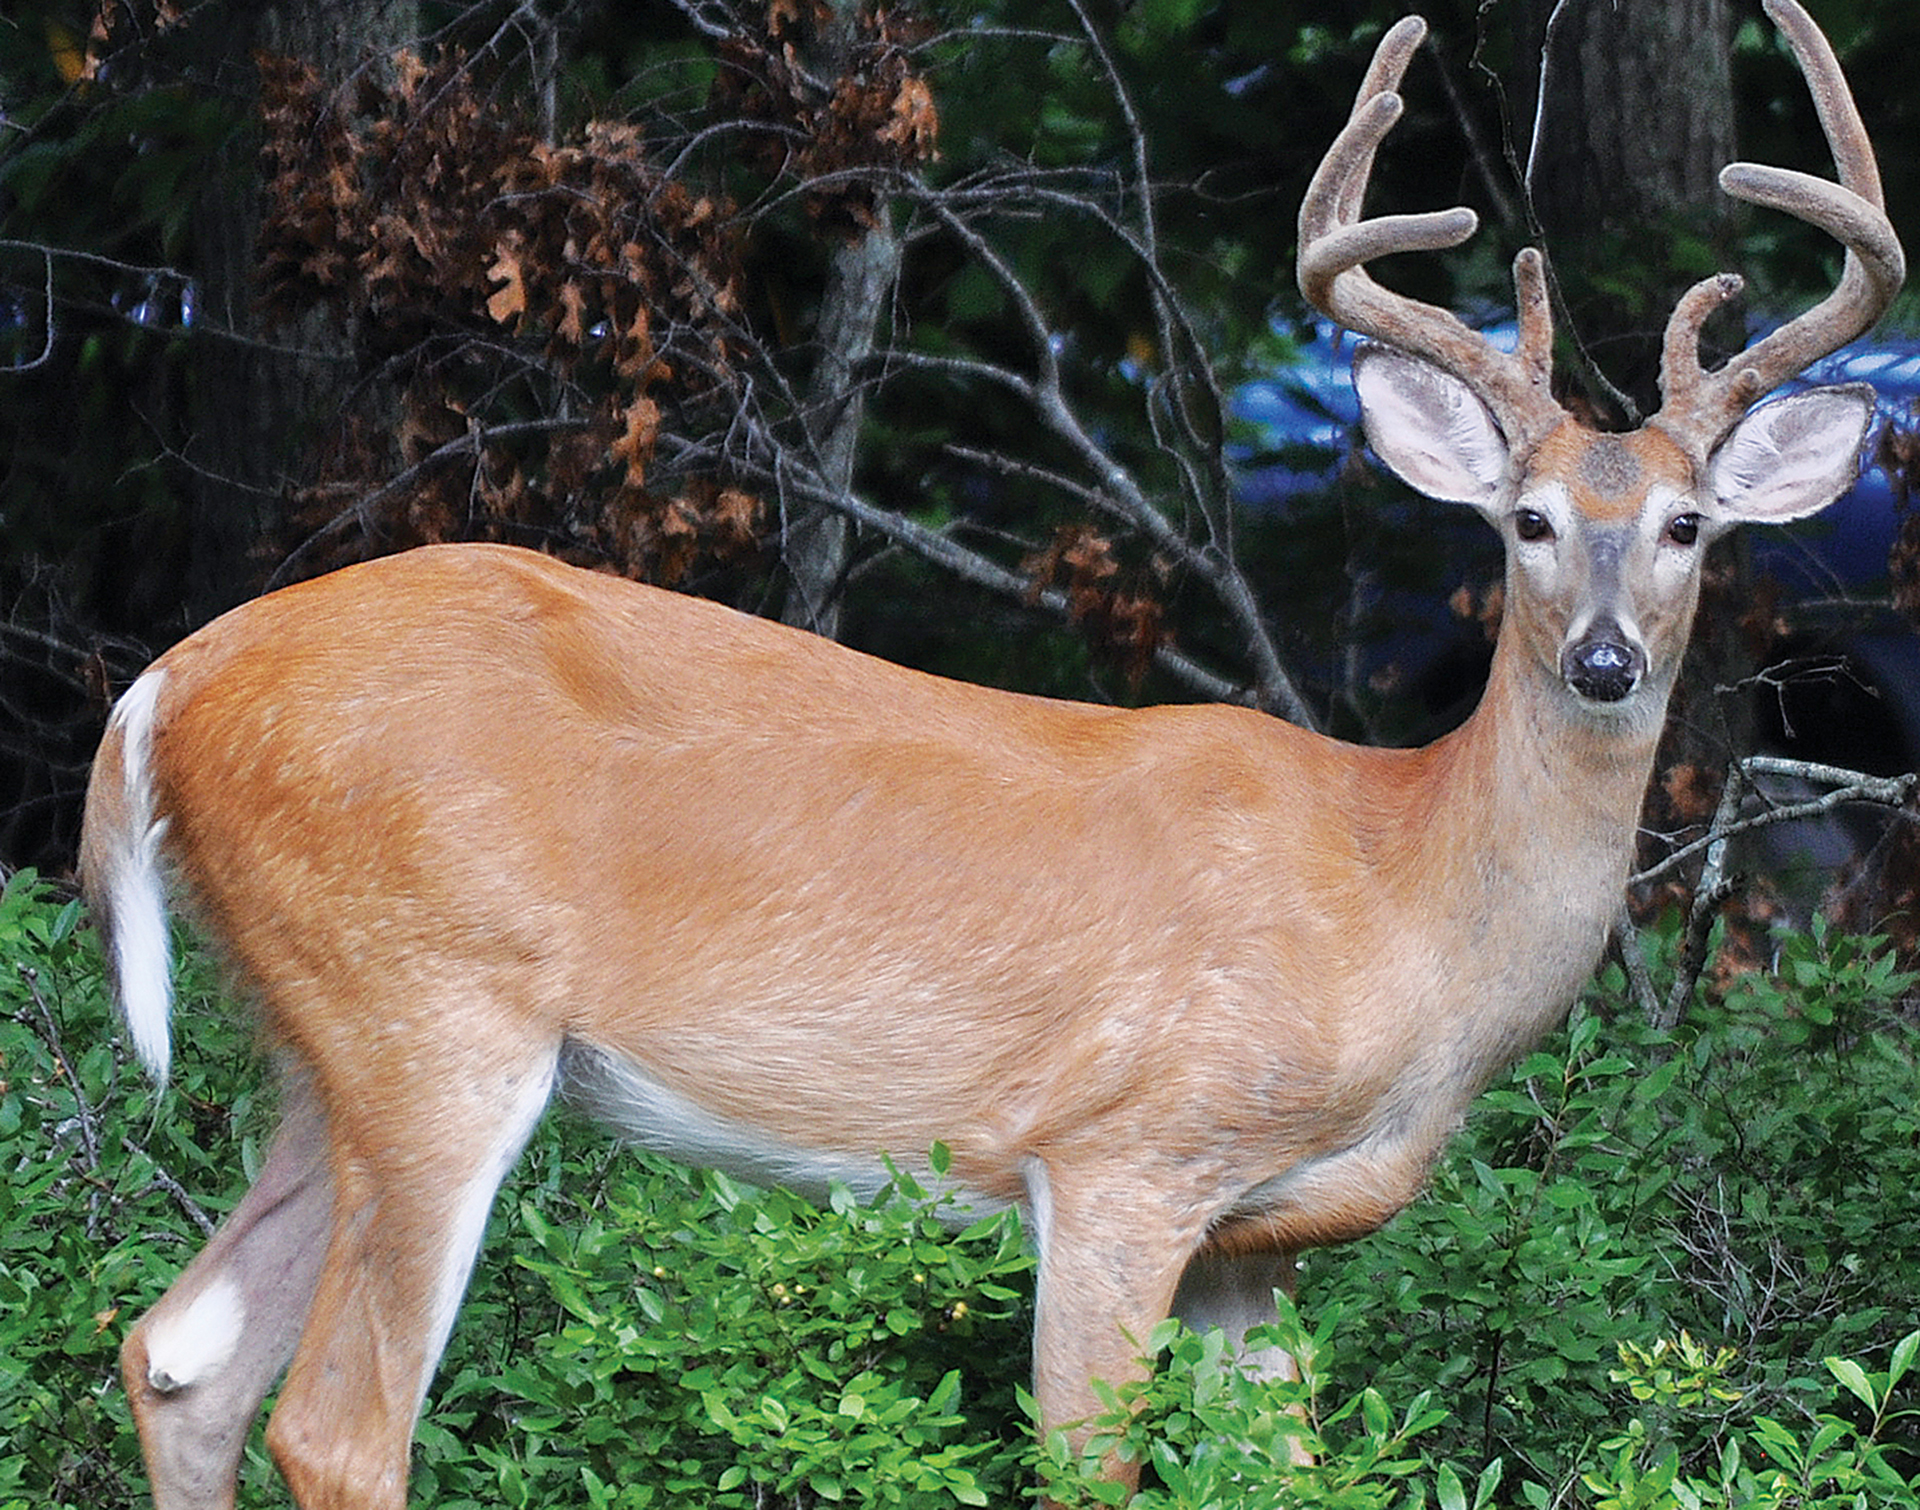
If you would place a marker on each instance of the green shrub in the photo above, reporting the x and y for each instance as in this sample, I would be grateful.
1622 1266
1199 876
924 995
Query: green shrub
1217 1440
726 1347
1747 1180
106 1196
1653 1271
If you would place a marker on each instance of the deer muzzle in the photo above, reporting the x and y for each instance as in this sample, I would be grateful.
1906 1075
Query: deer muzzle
1603 665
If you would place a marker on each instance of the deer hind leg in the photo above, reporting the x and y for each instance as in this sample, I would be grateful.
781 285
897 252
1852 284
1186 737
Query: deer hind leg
415 1170
200 1362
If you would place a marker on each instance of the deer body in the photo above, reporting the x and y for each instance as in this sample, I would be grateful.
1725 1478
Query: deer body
966 923
1193 988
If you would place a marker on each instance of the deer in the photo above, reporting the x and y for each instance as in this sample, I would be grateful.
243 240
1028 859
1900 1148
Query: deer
1191 988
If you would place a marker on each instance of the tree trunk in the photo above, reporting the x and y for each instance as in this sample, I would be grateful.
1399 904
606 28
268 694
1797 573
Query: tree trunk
1637 125
818 542
259 390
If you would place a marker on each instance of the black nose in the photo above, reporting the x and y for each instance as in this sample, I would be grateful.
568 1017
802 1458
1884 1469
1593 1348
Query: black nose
1603 667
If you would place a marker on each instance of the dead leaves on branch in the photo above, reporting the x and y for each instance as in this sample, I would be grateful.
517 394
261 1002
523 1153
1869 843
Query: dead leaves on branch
506 280
497 279
837 100
1110 603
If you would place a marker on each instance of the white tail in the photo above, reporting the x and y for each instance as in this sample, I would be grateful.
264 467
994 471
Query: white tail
1194 988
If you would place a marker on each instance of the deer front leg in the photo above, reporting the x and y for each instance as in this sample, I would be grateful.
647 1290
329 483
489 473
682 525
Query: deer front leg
1109 1261
1234 1291
200 1362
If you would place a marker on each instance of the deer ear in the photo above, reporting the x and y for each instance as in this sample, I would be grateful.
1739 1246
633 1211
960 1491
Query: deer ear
1430 427
1792 457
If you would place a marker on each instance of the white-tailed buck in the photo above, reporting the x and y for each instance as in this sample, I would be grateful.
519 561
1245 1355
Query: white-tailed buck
1193 988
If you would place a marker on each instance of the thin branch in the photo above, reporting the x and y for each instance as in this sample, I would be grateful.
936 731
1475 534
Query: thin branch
48 1030
1595 380
1848 786
1174 330
982 571
1715 884
1277 691
1626 944
364 513
1548 37
1713 888
46 344
193 1210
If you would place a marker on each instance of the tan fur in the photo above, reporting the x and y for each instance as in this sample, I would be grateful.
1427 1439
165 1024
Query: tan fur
1227 983
1608 474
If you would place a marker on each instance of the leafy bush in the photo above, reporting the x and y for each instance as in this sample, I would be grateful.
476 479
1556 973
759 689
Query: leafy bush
725 1347
637 1335
1748 1179
107 1195
1216 1439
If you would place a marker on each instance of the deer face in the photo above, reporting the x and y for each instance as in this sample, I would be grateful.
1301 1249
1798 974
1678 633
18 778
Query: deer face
1605 533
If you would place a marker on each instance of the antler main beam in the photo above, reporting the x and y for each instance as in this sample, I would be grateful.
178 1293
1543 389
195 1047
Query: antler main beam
1335 245
1698 407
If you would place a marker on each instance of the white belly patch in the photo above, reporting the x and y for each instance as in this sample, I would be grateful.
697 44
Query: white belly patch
612 1089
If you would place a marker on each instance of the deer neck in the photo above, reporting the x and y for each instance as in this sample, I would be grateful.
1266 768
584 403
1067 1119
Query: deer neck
1531 838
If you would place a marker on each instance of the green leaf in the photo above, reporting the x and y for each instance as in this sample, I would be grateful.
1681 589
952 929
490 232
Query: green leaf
1855 1379
1903 1356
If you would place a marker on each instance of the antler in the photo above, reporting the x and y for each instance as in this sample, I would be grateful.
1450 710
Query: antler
1698 407
1335 244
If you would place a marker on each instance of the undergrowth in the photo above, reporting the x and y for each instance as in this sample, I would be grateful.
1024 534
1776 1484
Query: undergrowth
1654 1270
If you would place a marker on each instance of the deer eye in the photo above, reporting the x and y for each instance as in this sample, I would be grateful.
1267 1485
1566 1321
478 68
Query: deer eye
1684 530
1530 524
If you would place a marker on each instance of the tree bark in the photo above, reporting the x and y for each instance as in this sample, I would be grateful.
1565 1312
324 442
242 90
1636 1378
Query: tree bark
1638 122
259 390
818 542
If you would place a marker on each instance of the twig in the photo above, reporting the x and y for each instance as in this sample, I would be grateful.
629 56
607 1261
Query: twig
1626 944
46 344
1044 390
981 571
195 1213
1848 786
1714 885
365 511
1174 330
1712 889
1596 381
87 1119
49 1031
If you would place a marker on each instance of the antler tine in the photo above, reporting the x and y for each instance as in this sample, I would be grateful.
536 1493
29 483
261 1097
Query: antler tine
1384 73
1699 407
1335 245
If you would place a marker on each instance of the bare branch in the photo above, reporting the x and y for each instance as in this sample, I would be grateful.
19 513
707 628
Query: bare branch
364 514
47 1029
1713 888
1626 944
1046 393
1715 885
46 344
1847 786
